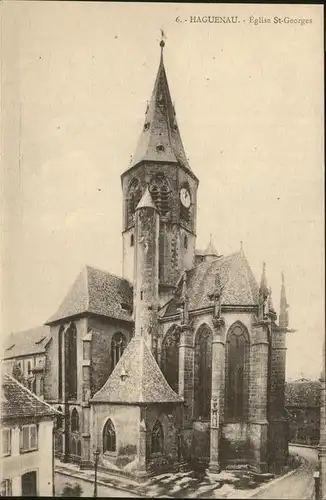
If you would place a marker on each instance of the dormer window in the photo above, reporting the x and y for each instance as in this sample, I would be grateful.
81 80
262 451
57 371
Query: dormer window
126 307
160 148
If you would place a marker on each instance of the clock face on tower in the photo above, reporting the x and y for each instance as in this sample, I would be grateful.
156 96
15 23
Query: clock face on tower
185 197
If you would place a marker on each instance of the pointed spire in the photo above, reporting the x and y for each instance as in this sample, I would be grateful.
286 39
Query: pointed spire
184 293
146 201
160 138
284 316
263 289
211 250
270 300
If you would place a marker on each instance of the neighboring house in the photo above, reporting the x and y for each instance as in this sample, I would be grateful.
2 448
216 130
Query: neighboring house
26 350
27 465
302 401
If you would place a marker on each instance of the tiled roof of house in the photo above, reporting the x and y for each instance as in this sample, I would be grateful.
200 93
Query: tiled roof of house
17 401
26 342
239 286
302 393
97 292
136 378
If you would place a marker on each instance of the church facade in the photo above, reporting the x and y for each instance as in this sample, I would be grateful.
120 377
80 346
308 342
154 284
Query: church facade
180 363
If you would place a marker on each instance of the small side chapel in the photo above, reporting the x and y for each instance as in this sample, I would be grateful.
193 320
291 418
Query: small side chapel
180 363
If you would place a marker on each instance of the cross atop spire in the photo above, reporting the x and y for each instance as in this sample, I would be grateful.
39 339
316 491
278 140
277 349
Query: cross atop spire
162 42
160 139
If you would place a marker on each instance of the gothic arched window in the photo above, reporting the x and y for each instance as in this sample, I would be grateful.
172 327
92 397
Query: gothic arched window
109 437
237 373
132 240
33 389
73 446
157 438
74 421
134 197
41 386
203 372
71 365
60 364
29 367
160 192
185 241
79 448
59 421
170 358
118 345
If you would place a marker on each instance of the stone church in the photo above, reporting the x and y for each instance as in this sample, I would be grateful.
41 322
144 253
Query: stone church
180 363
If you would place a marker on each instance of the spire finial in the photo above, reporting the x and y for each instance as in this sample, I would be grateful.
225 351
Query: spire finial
241 246
162 42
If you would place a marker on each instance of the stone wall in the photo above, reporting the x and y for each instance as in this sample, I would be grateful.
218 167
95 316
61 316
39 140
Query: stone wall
125 419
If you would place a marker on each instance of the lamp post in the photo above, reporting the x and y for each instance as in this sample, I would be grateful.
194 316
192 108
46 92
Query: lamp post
96 456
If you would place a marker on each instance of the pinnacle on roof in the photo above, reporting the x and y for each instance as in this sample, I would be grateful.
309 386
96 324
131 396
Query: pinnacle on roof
263 289
160 138
146 201
283 318
211 250
270 300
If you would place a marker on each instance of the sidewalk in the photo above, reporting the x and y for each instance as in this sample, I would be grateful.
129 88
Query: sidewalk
103 479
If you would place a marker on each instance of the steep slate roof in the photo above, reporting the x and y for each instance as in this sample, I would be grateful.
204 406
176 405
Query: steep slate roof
144 381
303 393
26 342
239 286
97 292
160 128
17 401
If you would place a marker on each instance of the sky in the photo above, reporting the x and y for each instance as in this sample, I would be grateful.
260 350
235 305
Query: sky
76 77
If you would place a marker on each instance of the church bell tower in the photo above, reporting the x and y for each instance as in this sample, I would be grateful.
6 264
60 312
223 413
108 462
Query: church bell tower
160 163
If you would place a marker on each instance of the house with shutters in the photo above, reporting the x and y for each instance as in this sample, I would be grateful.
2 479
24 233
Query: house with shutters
27 458
180 362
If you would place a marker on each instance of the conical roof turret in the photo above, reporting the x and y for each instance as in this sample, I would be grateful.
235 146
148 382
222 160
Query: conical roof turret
146 201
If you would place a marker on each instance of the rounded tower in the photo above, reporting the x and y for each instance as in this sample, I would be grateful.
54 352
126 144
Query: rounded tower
146 276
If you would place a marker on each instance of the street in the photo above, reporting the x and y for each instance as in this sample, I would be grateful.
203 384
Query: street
88 488
300 484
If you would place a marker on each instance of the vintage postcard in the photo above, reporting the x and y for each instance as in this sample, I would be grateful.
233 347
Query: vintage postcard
162 257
